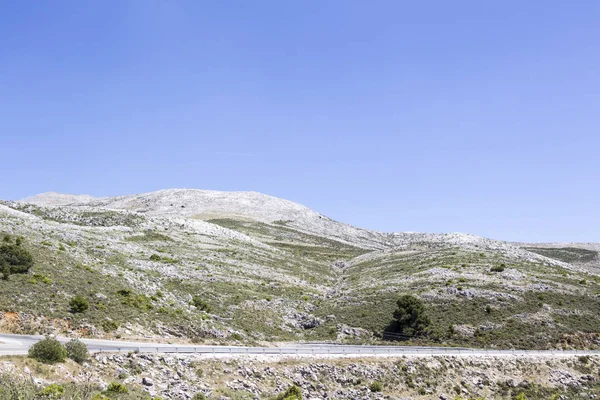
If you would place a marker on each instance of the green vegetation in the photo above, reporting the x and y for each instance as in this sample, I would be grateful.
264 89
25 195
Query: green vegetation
200 304
14 258
411 316
163 259
14 387
376 386
116 388
77 351
498 268
48 350
566 254
78 304
52 391
149 236
292 393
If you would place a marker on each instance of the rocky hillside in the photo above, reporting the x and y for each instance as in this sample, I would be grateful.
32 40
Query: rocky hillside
394 378
202 265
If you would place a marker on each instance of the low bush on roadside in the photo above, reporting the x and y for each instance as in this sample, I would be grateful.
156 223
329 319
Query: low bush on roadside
77 351
48 350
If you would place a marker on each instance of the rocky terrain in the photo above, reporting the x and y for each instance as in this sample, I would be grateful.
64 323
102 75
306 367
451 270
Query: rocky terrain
246 377
193 265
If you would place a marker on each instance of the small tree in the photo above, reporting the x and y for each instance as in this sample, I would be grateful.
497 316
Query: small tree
16 257
411 315
48 350
78 304
77 351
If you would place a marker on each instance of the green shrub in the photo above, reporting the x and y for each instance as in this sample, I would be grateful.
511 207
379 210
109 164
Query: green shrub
116 388
200 304
411 315
109 325
199 396
78 304
16 257
77 351
376 387
155 257
498 268
52 391
5 270
292 393
48 350
584 359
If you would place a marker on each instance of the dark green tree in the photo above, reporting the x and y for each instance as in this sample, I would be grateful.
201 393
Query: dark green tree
78 304
411 315
16 257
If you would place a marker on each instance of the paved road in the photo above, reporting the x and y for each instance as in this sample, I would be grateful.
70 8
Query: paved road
19 344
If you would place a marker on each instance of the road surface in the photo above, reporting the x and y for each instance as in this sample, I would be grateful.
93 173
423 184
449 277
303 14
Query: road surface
19 344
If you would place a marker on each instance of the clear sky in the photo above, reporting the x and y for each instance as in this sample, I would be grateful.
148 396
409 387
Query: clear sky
437 116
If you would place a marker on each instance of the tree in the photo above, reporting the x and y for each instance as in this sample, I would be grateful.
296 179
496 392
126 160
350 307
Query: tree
16 257
78 304
411 315
77 351
48 351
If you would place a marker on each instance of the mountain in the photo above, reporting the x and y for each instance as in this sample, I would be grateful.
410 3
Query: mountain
202 265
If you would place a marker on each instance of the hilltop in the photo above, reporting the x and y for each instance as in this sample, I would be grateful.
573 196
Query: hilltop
202 265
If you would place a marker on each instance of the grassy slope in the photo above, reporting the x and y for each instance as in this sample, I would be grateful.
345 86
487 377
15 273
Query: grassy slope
105 256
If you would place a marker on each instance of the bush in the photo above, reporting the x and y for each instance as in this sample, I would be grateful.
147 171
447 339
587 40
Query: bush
376 387
200 304
292 393
109 325
17 259
77 351
199 396
52 391
116 388
48 351
78 304
498 268
411 315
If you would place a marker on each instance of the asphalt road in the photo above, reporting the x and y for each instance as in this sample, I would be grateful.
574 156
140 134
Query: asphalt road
19 344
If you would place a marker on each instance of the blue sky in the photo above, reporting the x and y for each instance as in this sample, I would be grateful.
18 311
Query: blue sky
436 116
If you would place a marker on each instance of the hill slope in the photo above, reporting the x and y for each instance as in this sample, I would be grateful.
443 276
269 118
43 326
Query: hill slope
203 265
